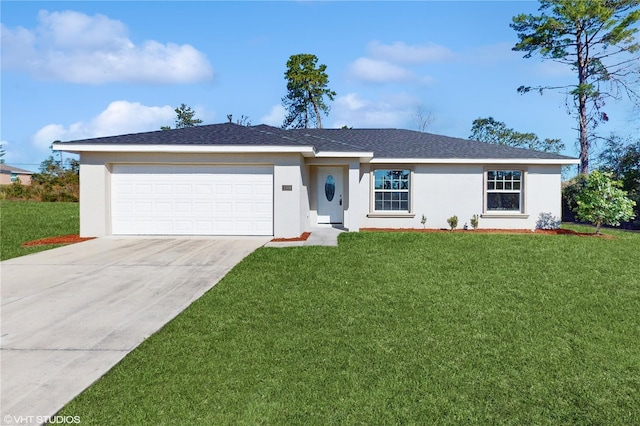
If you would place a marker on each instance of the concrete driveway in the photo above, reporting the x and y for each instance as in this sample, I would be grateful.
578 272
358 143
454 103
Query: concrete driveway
70 314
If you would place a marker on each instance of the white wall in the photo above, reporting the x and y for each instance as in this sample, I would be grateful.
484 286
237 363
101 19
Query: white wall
287 205
438 191
95 177
94 201
441 191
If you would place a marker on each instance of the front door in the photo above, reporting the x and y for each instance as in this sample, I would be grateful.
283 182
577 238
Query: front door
330 190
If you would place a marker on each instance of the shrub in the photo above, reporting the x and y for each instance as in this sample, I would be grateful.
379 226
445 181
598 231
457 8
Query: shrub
16 191
570 190
474 221
547 221
603 202
453 222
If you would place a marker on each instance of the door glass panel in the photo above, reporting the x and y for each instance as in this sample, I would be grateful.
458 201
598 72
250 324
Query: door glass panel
330 188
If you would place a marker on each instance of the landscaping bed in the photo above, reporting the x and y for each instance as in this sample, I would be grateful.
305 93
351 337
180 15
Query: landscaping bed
63 239
559 231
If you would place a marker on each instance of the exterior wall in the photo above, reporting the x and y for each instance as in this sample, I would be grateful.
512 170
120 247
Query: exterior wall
288 169
305 197
95 206
25 178
353 208
544 193
288 209
441 191
438 191
5 178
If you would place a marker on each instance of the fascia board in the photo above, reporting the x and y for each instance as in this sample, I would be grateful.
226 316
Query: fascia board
341 154
545 161
184 149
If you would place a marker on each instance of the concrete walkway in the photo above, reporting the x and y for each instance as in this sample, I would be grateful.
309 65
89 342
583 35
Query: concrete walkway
70 314
320 236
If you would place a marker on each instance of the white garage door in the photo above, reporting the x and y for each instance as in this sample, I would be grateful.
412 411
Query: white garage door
191 200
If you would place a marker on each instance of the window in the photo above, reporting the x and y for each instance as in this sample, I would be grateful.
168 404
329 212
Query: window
391 190
504 190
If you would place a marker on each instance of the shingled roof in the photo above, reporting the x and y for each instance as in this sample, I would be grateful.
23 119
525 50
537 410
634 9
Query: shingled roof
7 169
384 143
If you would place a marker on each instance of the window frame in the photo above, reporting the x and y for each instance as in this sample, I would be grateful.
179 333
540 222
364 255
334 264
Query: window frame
522 191
372 197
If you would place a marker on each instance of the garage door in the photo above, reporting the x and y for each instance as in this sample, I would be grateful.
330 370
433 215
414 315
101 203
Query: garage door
191 200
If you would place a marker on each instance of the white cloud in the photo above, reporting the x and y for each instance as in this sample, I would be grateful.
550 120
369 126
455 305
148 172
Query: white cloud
410 54
379 71
275 117
390 111
78 48
120 117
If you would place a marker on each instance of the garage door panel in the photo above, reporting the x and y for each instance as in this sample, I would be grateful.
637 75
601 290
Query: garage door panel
190 200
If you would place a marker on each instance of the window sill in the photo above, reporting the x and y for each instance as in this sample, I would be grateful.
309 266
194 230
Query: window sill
496 215
392 215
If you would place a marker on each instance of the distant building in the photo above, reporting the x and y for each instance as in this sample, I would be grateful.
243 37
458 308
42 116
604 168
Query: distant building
10 174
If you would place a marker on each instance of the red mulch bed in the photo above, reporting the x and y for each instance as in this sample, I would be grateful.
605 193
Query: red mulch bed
302 237
496 231
64 239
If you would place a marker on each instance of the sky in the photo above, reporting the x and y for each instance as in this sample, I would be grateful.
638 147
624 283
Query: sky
83 69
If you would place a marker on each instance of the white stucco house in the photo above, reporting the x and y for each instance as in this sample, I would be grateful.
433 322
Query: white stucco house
227 179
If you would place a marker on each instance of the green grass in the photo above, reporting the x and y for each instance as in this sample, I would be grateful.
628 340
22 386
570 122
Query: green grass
397 328
22 221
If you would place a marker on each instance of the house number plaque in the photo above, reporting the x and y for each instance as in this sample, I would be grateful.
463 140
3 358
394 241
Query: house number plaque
287 187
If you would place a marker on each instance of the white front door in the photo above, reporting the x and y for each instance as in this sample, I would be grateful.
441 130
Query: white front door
330 191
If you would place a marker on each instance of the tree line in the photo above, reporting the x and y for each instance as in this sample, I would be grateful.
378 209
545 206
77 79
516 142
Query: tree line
56 180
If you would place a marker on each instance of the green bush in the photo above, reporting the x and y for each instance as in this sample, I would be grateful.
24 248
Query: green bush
603 202
569 192
16 191
474 221
453 222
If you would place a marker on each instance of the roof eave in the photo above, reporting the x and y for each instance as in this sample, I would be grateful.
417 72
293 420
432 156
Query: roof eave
362 155
545 161
77 148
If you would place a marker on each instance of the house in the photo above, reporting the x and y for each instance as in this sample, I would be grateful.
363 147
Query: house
227 179
10 174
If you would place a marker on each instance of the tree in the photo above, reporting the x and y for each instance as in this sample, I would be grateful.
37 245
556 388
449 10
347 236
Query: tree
596 39
422 118
2 152
184 118
306 90
622 159
57 180
242 121
491 131
602 201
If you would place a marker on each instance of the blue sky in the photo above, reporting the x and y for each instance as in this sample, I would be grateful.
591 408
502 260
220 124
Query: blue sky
73 70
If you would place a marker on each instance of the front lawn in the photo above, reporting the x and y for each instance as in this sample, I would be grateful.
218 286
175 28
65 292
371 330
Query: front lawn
23 221
397 328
